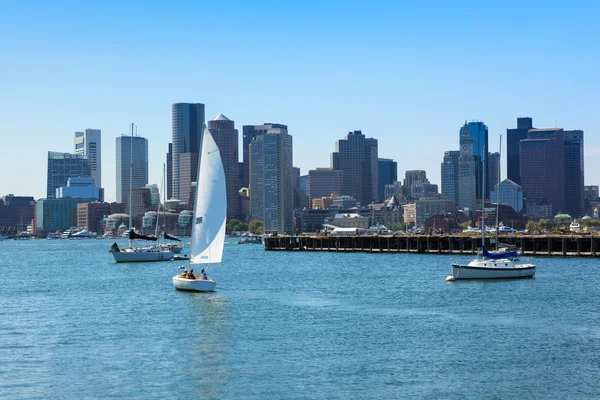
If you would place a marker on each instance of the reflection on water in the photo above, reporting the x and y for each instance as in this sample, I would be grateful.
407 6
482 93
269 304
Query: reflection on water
210 313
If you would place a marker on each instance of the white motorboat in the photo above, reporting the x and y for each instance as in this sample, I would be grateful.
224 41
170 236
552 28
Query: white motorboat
210 214
497 265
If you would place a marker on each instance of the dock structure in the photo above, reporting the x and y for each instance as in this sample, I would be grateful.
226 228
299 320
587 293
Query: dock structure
530 245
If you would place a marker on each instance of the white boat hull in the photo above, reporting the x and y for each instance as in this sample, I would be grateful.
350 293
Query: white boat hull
492 271
141 255
195 285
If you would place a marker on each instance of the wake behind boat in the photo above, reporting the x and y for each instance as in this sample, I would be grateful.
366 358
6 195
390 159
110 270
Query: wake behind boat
210 215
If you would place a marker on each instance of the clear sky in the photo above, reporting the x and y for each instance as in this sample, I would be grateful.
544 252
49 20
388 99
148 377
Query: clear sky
406 73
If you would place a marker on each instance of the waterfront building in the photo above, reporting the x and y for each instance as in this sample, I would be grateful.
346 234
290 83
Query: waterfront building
417 212
348 220
513 138
450 175
57 214
80 188
508 193
61 167
387 170
271 179
467 172
138 163
323 203
187 120
323 182
93 216
89 144
16 212
552 170
356 155
225 135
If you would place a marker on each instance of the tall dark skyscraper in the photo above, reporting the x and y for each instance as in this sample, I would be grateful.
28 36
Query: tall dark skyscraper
356 155
225 135
388 174
188 119
513 137
61 167
139 161
552 170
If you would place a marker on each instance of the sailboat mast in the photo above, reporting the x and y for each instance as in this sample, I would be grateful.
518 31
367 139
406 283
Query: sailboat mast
165 199
483 200
498 188
130 183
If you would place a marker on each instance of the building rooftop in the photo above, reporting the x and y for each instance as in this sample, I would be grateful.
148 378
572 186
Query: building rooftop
221 117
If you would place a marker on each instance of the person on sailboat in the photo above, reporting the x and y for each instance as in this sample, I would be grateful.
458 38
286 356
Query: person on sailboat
191 274
204 276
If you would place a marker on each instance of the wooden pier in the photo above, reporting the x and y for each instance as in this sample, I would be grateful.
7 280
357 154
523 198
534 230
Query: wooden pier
530 245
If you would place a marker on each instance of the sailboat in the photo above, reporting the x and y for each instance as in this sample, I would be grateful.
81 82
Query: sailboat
175 248
210 214
490 265
138 254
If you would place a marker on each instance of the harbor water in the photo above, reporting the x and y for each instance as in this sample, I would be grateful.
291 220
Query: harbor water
292 325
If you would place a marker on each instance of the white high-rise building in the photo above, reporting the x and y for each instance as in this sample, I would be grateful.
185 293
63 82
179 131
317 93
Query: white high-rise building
89 144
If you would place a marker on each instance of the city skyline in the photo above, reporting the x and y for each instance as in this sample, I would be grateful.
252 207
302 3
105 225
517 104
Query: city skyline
396 73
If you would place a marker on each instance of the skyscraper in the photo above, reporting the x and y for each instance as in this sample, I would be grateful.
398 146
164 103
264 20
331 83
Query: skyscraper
249 132
188 119
61 167
450 175
467 172
388 174
139 163
552 170
493 171
226 136
271 181
513 138
479 134
89 144
357 157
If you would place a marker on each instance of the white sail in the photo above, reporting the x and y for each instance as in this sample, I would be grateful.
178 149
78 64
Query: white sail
210 211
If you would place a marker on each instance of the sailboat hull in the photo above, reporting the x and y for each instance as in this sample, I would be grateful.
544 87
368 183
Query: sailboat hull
194 285
492 272
137 255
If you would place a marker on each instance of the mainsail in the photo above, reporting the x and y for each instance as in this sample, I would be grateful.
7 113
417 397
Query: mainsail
210 211
169 237
497 256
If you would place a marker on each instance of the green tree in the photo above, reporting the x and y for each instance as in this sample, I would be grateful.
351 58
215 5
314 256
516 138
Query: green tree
398 226
236 225
531 226
465 225
256 227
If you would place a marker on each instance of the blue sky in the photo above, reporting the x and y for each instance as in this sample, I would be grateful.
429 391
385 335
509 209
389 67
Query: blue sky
408 75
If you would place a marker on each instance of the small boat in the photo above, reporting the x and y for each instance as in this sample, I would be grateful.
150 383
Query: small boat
210 215
250 240
497 265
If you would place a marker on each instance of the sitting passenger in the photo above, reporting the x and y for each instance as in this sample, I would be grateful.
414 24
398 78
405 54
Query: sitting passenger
184 274
204 276
191 274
